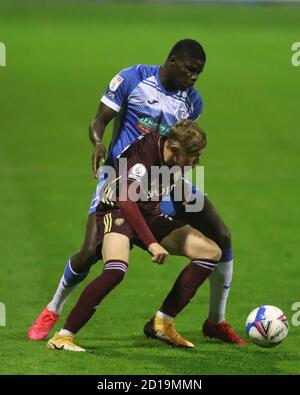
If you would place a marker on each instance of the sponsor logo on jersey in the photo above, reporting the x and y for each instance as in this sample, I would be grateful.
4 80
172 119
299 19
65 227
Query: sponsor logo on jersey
111 95
137 172
148 125
182 113
115 83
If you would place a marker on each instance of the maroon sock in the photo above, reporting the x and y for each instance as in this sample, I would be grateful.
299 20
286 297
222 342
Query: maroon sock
113 273
186 285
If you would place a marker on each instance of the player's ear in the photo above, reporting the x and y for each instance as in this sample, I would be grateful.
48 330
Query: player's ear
173 59
174 149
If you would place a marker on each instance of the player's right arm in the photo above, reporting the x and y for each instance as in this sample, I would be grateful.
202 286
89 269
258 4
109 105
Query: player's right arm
136 221
96 132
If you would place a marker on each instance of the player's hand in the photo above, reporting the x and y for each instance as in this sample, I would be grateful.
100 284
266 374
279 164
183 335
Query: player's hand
159 254
98 154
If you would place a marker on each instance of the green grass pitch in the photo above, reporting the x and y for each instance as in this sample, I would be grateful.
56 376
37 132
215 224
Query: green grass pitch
60 58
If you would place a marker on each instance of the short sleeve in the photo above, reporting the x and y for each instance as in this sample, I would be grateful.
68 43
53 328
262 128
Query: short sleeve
197 104
120 87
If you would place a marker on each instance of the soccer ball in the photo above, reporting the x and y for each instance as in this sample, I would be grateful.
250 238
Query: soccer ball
267 326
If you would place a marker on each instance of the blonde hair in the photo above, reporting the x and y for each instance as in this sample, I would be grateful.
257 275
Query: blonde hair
191 138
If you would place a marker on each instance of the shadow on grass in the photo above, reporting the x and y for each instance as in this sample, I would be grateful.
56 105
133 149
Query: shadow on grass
135 354
208 357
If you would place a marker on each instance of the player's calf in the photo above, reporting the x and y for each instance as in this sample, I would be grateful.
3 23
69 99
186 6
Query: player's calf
204 254
93 294
84 259
87 255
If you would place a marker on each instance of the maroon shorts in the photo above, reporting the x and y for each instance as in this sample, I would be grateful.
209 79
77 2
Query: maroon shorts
113 221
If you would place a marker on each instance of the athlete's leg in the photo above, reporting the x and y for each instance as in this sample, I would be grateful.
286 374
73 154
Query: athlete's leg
209 222
76 270
204 254
82 260
77 267
79 264
115 257
115 253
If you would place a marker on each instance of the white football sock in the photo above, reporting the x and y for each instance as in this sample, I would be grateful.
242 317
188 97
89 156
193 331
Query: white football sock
60 297
220 282
163 316
65 332
69 281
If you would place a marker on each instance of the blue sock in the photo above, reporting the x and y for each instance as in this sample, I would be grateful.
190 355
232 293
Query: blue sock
71 278
226 255
67 284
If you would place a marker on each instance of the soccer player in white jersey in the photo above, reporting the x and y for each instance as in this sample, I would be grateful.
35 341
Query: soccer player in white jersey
149 99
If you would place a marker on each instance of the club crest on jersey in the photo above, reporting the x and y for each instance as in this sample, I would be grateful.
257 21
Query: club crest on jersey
137 172
182 113
115 82
119 221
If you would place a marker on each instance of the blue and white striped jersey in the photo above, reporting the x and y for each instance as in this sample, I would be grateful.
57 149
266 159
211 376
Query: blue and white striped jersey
145 106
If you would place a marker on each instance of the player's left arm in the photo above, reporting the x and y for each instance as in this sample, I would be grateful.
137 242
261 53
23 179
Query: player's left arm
197 103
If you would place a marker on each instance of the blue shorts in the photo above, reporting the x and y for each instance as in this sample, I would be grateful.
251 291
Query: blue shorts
96 196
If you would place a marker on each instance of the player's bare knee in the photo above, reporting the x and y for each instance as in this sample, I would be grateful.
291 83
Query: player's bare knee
84 258
210 250
213 251
202 247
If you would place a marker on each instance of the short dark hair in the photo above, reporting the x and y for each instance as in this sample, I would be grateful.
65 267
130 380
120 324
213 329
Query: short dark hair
188 47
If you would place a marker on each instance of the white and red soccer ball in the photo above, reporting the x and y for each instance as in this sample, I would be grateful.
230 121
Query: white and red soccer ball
267 326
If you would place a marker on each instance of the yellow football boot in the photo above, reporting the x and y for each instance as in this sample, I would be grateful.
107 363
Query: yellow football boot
59 342
164 330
